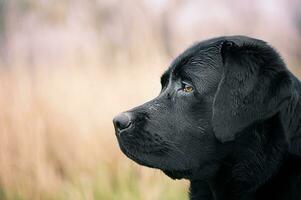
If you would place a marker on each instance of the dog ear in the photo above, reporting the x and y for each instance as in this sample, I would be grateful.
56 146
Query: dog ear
254 85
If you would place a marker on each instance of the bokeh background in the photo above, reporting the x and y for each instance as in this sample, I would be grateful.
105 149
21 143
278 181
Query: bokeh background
68 66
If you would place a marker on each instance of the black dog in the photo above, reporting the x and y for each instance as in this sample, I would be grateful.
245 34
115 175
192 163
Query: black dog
228 118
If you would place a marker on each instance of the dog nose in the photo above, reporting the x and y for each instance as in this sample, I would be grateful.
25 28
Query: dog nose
122 121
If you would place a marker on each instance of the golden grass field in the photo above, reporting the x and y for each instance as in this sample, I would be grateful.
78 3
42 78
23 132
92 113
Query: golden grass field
57 139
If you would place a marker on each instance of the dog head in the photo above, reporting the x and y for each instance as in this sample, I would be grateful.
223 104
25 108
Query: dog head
210 93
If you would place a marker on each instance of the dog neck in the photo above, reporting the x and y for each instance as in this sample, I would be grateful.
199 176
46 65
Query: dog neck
248 166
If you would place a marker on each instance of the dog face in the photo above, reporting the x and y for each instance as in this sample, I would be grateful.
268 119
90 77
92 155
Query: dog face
209 94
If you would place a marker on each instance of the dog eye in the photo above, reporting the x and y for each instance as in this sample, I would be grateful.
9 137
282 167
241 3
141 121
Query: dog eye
187 88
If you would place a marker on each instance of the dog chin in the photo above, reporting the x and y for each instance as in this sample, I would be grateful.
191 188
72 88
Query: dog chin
179 174
135 158
204 172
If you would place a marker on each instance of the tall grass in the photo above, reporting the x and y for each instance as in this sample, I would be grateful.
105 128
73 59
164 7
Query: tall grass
57 139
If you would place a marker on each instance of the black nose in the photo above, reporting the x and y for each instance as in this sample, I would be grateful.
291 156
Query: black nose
122 121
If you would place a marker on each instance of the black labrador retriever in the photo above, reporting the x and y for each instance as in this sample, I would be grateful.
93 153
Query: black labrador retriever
228 118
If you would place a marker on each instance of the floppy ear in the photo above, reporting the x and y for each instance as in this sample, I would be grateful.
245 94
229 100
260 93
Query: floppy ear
254 85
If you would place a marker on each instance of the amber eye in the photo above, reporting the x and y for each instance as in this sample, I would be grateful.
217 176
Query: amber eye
187 88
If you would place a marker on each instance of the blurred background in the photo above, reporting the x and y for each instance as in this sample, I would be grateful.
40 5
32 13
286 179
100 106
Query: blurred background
68 66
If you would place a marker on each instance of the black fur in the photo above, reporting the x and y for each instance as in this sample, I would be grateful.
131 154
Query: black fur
237 135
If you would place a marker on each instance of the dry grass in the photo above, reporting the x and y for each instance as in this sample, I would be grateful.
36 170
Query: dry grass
57 140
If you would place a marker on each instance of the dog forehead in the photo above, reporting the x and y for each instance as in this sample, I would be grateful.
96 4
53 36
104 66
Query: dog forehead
203 54
196 59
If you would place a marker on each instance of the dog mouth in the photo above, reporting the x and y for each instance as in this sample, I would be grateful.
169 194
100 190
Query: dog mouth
141 143
151 150
135 157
